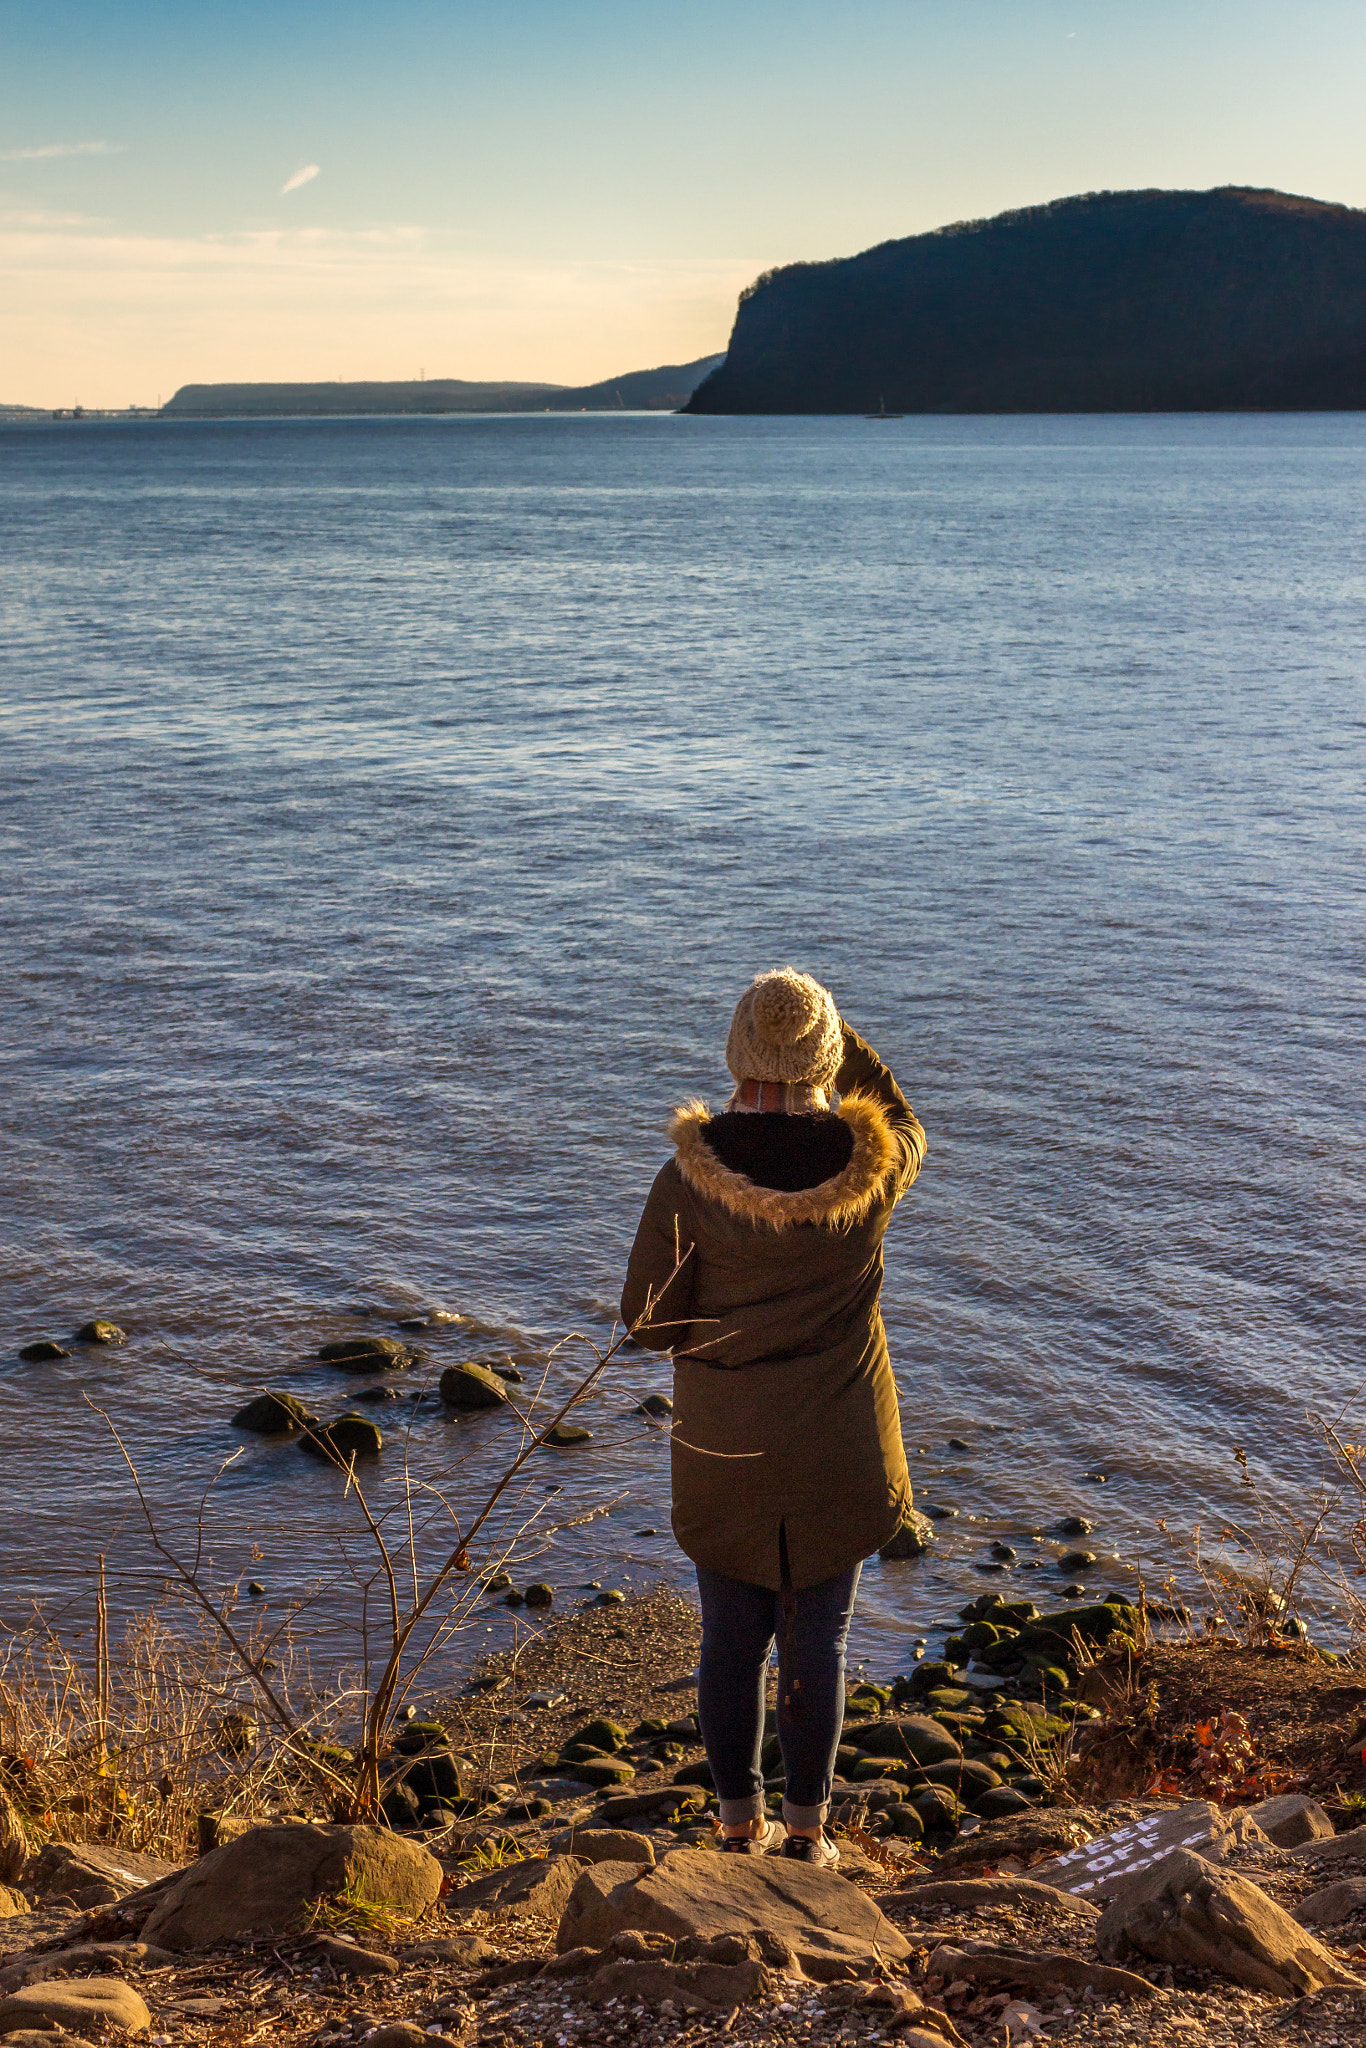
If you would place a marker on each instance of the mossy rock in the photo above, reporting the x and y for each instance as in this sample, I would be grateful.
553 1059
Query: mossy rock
867 1699
947 1699
468 1387
870 1767
566 1434
539 1594
97 1331
274 1415
418 1735
977 1636
984 1607
600 1734
42 1351
1052 1635
940 1812
605 1770
934 1672
1001 1657
365 1354
648 1731
657 1405
905 1821
350 1436
966 1780
913 1738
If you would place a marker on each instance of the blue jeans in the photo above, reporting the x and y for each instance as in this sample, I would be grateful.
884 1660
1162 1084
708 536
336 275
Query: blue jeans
739 1625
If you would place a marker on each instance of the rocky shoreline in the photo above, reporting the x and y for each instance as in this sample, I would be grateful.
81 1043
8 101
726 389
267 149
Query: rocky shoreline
1160 1871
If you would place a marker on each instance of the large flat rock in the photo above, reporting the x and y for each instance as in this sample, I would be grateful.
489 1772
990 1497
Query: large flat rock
540 1885
1110 1866
264 1882
833 1928
89 1874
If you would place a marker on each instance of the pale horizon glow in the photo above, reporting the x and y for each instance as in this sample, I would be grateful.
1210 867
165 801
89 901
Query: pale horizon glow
536 192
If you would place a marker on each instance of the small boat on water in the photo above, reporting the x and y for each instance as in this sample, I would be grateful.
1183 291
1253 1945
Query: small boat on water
883 414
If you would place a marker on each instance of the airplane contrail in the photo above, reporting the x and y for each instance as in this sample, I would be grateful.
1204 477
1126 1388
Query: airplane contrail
45 149
302 177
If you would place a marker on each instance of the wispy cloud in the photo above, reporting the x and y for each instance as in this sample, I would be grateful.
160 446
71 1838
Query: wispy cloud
301 177
46 149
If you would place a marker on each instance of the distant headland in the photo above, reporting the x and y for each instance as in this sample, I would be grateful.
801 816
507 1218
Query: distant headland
1228 300
662 390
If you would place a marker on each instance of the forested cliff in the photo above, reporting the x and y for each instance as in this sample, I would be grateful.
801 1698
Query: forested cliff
1111 302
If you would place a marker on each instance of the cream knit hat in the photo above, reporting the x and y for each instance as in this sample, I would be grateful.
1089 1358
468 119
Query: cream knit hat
785 1028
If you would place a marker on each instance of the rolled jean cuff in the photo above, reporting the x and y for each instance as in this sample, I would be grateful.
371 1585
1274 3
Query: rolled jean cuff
805 1816
735 1812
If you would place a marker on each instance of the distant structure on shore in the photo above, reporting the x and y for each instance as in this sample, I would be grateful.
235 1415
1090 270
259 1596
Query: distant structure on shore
662 390
1229 300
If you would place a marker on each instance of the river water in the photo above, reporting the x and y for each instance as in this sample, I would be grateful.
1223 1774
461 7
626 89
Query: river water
394 810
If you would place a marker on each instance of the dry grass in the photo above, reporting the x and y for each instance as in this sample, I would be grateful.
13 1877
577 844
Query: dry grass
134 1749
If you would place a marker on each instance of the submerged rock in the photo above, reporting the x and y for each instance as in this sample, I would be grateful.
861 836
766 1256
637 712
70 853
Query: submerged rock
566 1433
538 1594
365 1354
272 1414
471 1386
655 1404
350 1436
44 1348
97 1331
912 1539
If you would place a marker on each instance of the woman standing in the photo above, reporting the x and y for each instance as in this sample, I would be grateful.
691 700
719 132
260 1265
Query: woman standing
758 1263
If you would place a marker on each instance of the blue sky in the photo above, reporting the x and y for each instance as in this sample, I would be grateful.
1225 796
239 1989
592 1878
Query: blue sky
527 189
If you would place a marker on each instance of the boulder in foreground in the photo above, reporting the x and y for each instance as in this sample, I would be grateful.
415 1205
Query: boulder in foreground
265 1881
834 1929
1190 1914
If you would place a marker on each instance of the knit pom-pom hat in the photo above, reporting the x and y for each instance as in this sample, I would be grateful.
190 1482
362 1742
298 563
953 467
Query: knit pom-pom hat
785 1028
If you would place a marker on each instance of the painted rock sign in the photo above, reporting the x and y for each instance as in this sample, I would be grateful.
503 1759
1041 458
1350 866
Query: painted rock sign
1100 1867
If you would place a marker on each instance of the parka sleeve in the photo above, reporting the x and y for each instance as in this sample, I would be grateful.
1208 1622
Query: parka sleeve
862 1073
659 1273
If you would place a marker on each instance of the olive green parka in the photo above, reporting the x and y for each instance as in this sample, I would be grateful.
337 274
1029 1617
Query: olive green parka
785 1424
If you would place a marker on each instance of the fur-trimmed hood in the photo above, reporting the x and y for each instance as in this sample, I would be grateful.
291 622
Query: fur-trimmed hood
837 1204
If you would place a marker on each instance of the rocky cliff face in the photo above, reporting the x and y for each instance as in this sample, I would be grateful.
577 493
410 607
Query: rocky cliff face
1114 302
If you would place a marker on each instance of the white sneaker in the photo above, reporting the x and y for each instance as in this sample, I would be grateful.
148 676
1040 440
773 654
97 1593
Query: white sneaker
772 1839
812 1849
